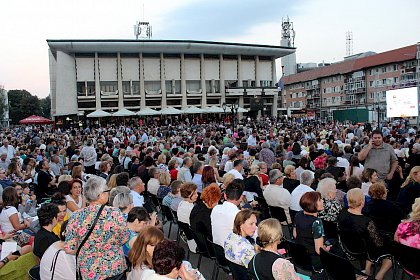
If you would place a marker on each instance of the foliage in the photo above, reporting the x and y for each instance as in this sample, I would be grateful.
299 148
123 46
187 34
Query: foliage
2 105
46 107
22 104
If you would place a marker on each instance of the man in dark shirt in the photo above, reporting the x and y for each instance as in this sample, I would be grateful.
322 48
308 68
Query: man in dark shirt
46 182
337 172
47 216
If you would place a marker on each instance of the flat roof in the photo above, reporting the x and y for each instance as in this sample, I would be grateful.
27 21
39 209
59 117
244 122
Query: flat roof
167 46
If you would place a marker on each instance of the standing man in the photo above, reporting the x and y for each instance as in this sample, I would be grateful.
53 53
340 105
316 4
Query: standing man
8 149
88 154
379 156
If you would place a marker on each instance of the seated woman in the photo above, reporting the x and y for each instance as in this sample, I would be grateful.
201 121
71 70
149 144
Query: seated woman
173 199
369 177
208 177
383 212
143 252
362 232
75 199
13 171
290 181
410 190
408 231
200 214
64 265
59 200
137 219
164 181
268 264
253 184
332 207
309 230
238 245
189 195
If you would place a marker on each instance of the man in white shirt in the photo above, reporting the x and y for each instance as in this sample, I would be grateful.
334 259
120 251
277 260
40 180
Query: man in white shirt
237 169
223 215
8 149
306 178
274 193
252 140
136 186
88 154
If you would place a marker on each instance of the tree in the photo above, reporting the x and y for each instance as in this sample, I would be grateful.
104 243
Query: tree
3 105
22 104
46 107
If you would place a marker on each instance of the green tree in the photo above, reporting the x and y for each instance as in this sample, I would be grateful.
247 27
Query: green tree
2 105
46 107
22 104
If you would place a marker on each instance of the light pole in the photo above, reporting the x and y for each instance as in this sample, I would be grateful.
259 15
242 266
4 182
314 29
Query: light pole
234 110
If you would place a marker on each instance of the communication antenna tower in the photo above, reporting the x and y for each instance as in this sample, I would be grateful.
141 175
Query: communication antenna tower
287 31
349 43
142 29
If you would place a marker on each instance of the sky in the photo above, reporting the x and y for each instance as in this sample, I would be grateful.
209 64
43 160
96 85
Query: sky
320 26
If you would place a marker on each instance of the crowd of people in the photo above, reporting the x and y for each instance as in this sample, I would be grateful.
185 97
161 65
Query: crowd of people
91 202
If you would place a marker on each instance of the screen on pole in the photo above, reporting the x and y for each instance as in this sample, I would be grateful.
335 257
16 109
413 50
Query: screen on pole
402 103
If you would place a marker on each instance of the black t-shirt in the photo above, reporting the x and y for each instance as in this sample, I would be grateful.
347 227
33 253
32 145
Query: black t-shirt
44 178
252 184
43 240
200 219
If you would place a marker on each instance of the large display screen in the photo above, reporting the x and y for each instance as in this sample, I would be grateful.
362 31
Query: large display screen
402 103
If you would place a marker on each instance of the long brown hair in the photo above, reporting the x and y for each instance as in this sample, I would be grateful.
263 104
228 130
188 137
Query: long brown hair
148 235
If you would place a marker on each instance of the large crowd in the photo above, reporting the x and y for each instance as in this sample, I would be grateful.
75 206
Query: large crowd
96 202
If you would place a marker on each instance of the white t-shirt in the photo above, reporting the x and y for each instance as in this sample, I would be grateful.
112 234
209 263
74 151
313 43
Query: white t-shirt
6 225
184 211
69 198
65 266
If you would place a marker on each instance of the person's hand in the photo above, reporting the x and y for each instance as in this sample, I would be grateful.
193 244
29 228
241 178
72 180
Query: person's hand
187 275
12 257
389 177
327 248
7 235
153 218
27 223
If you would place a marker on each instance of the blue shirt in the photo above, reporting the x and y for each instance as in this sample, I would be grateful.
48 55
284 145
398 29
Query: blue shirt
197 180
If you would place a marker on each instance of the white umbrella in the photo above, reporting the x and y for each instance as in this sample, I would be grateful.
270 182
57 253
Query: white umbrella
98 114
148 112
170 111
214 109
193 110
123 113
242 110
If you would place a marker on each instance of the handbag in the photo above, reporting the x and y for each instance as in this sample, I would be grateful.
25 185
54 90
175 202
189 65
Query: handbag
78 274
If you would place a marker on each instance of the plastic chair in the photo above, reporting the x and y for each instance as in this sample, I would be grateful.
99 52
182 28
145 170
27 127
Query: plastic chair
330 229
166 212
300 255
337 267
279 214
34 273
221 261
407 258
239 272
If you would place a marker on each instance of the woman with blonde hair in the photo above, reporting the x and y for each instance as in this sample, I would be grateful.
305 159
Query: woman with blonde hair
408 231
410 190
112 183
253 184
290 181
227 179
268 264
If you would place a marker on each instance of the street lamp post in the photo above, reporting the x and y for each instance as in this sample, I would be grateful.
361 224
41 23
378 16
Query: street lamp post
233 109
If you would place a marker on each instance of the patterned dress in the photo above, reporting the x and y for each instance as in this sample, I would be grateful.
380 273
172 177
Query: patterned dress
408 233
102 254
238 249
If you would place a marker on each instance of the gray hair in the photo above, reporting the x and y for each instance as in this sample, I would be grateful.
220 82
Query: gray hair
326 186
133 182
93 188
265 145
273 175
186 160
197 165
306 177
117 190
122 200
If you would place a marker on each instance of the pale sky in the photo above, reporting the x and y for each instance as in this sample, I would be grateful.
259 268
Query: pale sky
320 26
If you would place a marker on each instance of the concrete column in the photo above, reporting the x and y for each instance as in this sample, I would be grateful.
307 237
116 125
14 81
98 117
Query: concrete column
241 104
119 79
239 67
183 83
142 93
97 84
257 71
274 107
273 71
274 80
222 79
162 80
203 82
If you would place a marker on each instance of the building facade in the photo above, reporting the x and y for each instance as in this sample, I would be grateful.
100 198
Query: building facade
4 117
354 83
86 75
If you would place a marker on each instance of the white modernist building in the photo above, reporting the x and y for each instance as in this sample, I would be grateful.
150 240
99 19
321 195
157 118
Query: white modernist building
86 75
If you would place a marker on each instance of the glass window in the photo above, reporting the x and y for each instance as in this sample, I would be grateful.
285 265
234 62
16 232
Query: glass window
126 87
135 86
81 88
193 86
152 87
109 87
168 86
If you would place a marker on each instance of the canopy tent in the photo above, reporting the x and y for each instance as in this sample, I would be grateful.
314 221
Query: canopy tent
98 114
242 110
35 120
170 111
193 110
147 112
123 113
214 109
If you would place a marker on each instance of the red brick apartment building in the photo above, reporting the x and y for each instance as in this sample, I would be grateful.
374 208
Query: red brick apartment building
353 83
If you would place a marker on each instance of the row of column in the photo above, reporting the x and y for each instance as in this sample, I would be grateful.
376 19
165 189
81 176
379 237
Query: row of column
183 81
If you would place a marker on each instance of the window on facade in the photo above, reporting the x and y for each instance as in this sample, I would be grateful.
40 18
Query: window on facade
370 72
371 83
177 86
384 94
126 87
193 86
266 83
152 87
168 87
81 88
384 81
383 69
395 67
395 79
109 87
135 86
245 84
90 88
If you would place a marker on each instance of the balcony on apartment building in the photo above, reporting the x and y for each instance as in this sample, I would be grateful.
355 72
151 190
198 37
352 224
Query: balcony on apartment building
313 106
313 95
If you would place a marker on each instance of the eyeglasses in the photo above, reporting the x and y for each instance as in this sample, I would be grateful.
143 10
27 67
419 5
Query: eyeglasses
107 191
